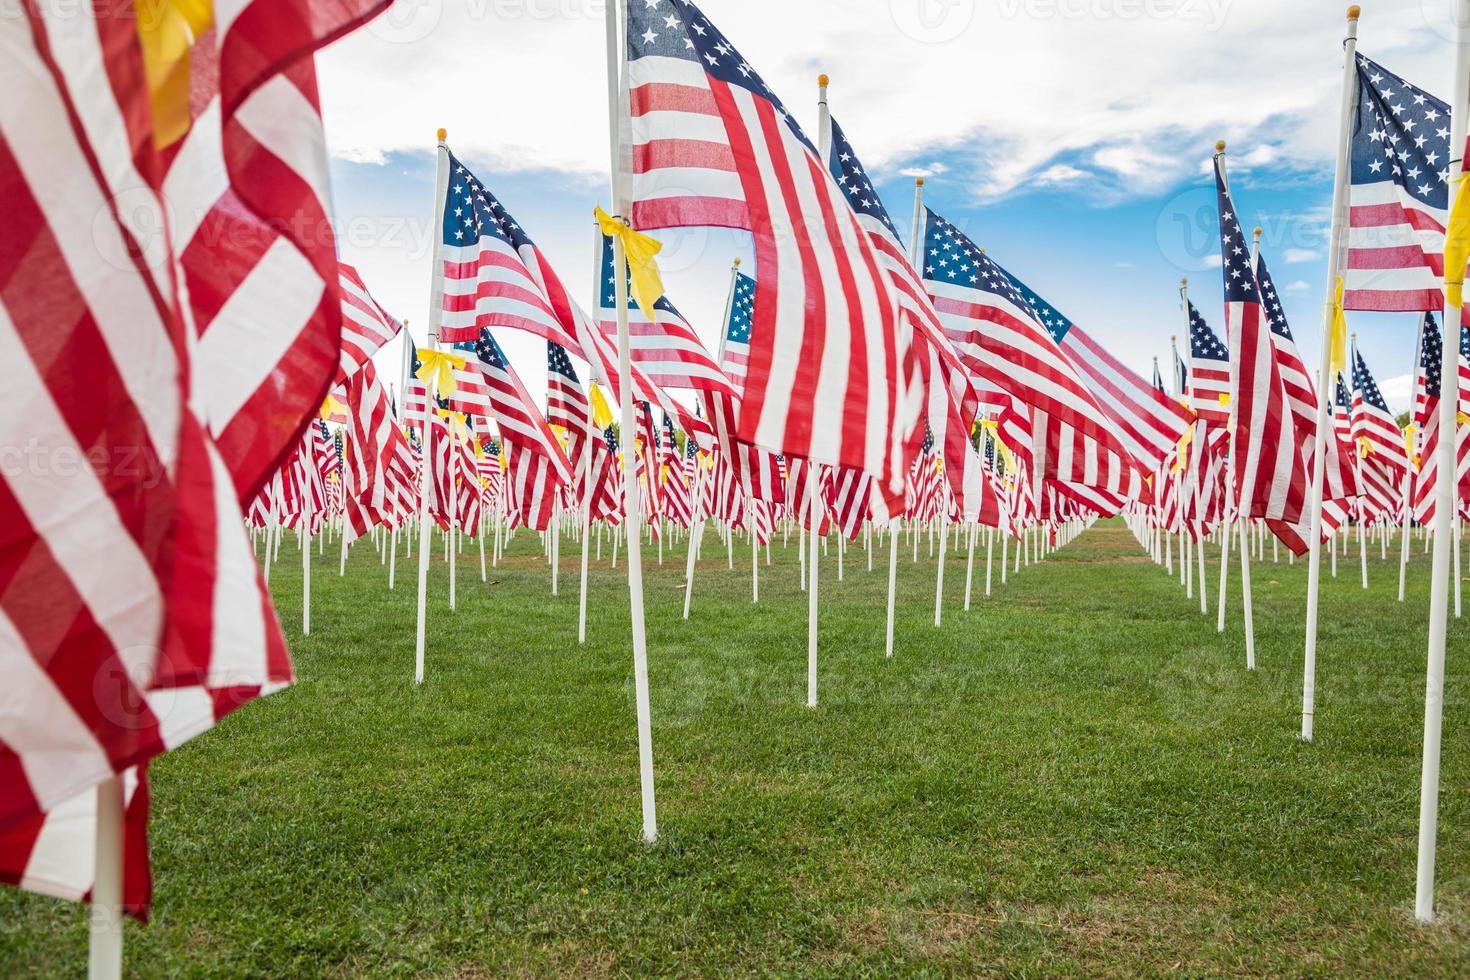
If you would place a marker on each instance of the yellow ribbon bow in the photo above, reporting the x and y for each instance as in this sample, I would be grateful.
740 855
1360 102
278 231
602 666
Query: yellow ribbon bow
639 249
330 407
602 415
456 422
439 366
1365 448
1225 399
1462 418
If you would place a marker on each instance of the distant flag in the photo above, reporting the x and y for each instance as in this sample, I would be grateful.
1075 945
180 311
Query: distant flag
737 331
666 347
1209 372
366 327
1271 478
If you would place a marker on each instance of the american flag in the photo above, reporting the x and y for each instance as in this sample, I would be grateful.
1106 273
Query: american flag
666 347
493 274
944 368
1398 196
514 411
754 467
736 355
1374 427
1209 372
1383 463
848 496
567 406
1271 478
1339 480
380 457
138 618
1159 379
825 373
1004 344
366 327
471 394
1426 417
1147 422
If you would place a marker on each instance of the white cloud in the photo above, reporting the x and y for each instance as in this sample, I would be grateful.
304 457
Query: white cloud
1211 261
1124 265
522 82
931 169
1298 286
1059 174
1399 389
1300 255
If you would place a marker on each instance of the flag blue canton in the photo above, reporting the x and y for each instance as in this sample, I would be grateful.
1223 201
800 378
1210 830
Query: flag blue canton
1203 341
486 350
676 29
1400 133
471 212
1431 356
1235 249
1050 317
949 256
742 305
610 284
558 362
848 171
1366 386
1275 315
1343 399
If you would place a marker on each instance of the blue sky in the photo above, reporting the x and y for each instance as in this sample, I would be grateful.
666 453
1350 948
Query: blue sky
1071 138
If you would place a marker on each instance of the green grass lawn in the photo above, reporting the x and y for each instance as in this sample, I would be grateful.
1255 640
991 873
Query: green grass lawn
1078 776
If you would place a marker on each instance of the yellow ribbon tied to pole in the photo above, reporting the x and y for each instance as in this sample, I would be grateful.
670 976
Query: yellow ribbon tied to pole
1365 448
602 415
331 407
1337 352
1457 243
639 249
456 422
440 367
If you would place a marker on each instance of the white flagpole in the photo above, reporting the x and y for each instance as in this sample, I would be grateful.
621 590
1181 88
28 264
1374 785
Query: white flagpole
616 107
1337 248
1444 501
942 521
697 489
436 303
271 539
587 451
972 530
813 482
105 919
306 543
989 555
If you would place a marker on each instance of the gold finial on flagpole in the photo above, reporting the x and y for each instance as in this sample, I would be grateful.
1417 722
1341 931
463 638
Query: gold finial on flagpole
918 181
442 133
737 263
1354 11
823 80
1258 231
1219 146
